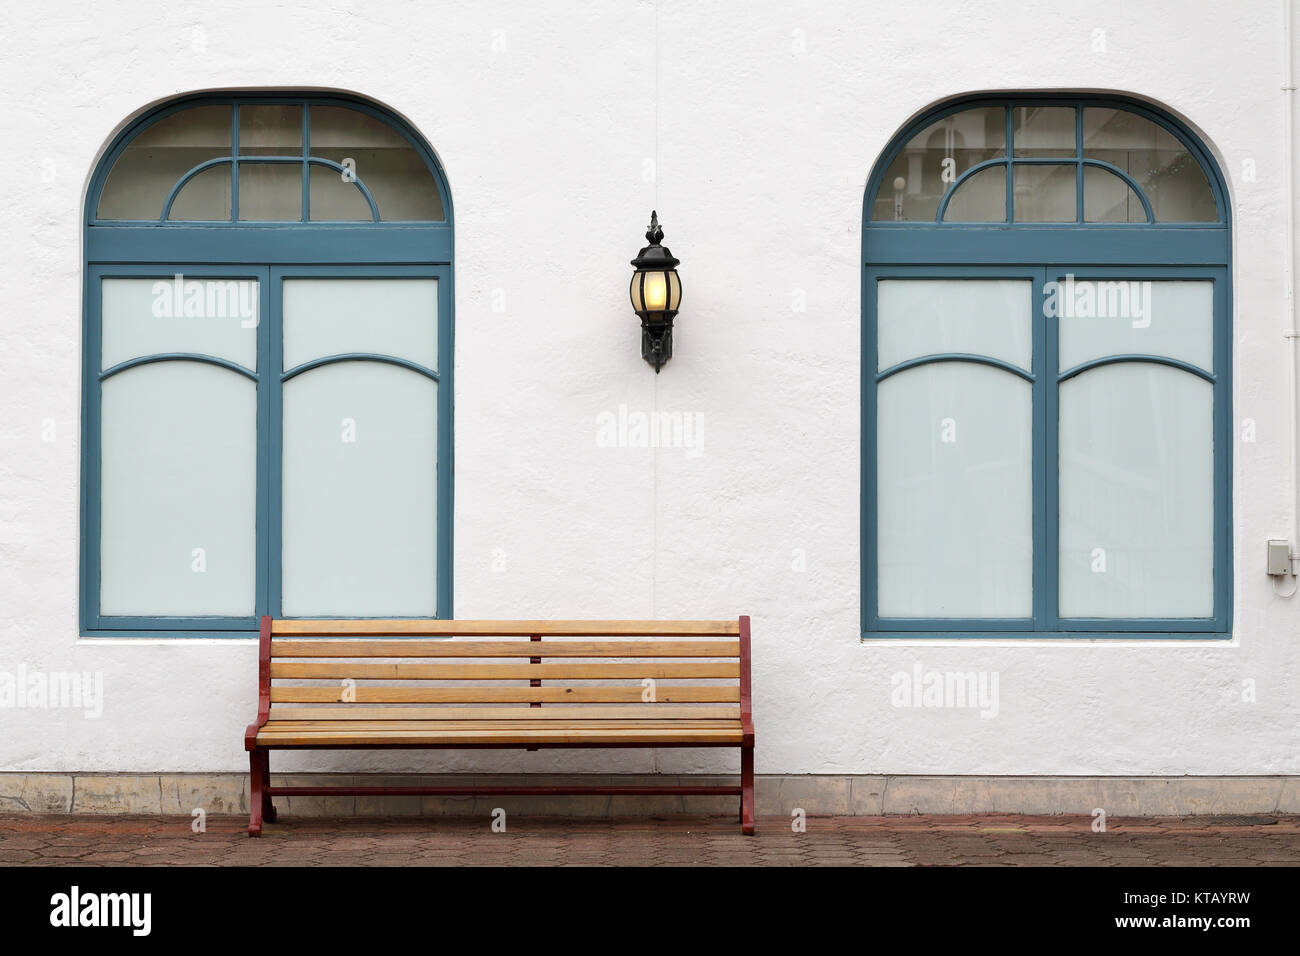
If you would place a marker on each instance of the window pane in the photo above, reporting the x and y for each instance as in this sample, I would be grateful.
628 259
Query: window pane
954 493
1043 130
1162 167
917 317
1136 493
270 131
982 198
179 491
934 159
206 197
1120 317
215 317
334 199
396 317
270 191
359 507
1107 198
395 174
1046 193
144 174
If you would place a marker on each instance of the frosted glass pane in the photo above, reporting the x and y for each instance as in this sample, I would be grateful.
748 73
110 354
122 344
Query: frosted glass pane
360 492
954 493
270 192
982 198
1172 179
270 130
1117 317
1107 198
205 198
215 317
396 175
916 317
1136 493
396 317
1043 130
922 171
157 158
1046 193
334 199
179 492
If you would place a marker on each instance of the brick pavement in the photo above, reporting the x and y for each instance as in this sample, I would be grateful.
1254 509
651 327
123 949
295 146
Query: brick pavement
972 840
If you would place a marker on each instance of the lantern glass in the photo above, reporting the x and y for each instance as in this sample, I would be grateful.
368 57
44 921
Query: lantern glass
656 291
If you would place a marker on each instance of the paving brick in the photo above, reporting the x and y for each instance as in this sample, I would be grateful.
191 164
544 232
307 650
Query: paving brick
677 840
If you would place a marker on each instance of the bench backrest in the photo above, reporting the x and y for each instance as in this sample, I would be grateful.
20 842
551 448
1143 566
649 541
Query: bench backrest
501 670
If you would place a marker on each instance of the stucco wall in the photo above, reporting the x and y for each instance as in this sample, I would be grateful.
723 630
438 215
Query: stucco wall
767 121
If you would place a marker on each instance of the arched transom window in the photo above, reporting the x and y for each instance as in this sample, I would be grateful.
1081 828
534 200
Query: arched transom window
267 378
1047 369
1045 163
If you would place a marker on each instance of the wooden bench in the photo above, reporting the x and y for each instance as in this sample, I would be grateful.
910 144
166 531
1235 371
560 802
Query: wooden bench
423 684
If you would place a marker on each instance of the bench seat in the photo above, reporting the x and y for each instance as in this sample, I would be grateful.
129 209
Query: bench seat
349 684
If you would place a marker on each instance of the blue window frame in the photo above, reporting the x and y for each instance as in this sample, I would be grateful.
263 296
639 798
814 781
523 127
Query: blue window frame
338 199
1085 512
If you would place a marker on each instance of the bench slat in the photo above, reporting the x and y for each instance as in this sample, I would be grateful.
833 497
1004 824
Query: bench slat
668 711
431 628
544 649
548 735
471 694
371 670
360 726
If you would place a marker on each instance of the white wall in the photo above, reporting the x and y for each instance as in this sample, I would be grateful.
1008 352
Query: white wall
768 119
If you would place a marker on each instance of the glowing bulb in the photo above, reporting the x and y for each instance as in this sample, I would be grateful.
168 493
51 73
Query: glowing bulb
655 291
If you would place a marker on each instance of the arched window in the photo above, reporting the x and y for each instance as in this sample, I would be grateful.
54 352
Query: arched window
267 369
1047 359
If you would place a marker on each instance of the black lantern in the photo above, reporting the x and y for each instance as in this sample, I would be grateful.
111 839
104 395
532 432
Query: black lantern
656 295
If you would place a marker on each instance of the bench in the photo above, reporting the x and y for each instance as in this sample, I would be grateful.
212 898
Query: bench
425 684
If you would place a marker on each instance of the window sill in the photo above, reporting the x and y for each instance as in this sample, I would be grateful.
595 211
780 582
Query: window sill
1051 638
167 637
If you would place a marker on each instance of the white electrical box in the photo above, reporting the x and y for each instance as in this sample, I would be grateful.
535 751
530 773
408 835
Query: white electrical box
1279 556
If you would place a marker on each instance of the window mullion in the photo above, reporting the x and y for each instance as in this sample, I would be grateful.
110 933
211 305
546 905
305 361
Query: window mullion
274 436
267 382
234 163
1078 157
306 166
1010 170
1047 593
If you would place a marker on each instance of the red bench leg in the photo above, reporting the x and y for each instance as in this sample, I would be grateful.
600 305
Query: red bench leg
747 791
257 797
268 808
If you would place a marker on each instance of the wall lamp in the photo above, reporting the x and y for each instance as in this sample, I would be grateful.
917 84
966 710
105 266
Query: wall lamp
656 294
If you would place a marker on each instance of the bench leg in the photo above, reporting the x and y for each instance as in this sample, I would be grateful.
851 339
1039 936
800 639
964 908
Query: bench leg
257 797
268 808
747 791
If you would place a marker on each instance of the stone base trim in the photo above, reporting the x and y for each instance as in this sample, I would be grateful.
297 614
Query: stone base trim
820 795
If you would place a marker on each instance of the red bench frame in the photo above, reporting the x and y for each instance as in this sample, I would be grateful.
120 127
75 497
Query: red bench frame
261 792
